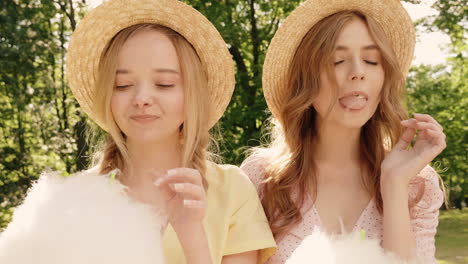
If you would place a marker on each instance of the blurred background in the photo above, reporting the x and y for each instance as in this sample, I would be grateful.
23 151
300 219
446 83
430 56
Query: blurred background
42 126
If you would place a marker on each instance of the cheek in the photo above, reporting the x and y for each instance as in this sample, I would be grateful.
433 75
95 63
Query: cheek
118 105
179 103
324 97
341 76
114 103
377 83
175 103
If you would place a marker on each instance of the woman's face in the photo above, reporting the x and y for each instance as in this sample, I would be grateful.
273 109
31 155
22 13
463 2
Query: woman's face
359 76
148 98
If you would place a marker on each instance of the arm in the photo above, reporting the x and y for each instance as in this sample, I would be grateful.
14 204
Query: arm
423 217
195 245
397 231
398 169
425 213
185 204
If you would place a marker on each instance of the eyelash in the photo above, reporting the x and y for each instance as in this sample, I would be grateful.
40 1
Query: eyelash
339 62
164 86
371 62
368 62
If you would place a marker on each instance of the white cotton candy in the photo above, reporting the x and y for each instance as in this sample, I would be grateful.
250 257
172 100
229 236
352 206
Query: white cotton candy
350 249
82 219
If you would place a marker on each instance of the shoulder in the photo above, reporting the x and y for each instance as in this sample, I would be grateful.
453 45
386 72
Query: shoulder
229 190
255 166
226 176
428 174
425 190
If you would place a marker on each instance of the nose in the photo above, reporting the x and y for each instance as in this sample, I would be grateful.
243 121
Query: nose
143 97
357 71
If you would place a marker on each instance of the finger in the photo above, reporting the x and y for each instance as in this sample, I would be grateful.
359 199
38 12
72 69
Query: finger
421 125
422 135
427 118
165 189
156 174
438 138
187 171
190 191
193 204
408 122
180 175
406 138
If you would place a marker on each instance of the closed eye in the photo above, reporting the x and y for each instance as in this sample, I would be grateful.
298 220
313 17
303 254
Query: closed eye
339 62
165 85
371 62
121 87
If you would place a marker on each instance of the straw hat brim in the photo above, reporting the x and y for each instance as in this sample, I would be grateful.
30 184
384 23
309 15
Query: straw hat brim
389 14
101 24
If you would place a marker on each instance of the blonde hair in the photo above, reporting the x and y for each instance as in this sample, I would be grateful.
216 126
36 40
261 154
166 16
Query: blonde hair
292 171
113 153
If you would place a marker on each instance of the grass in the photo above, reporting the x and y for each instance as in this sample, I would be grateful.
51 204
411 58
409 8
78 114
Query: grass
452 237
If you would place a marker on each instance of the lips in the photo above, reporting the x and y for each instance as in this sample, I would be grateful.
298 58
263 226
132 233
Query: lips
355 100
144 118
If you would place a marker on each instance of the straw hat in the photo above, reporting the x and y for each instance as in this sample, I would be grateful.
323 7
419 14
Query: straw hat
389 14
101 24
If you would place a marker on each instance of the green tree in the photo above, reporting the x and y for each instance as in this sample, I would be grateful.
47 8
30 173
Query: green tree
442 92
38 111
247 26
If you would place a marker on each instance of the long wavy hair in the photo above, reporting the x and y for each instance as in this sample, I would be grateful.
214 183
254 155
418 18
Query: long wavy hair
288 178
113 153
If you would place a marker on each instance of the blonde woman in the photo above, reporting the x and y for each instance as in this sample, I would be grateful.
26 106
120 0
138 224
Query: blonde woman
340 158
156 76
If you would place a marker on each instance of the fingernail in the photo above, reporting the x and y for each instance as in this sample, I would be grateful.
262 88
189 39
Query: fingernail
178 186
189 202
171 172
158 181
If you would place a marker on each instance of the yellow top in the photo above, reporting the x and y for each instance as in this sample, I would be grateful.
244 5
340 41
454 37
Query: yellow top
234 221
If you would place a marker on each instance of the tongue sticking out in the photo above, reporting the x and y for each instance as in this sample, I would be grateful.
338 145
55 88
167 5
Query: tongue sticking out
353 102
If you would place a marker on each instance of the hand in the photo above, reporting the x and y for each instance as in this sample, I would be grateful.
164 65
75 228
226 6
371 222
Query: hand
401 164
184 198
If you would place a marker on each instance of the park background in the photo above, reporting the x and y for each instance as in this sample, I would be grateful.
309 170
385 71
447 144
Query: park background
42 126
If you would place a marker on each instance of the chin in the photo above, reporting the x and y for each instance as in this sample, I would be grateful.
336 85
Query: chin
352 123
152 136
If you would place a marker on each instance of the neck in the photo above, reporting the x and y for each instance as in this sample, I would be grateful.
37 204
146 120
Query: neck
146 157
337 145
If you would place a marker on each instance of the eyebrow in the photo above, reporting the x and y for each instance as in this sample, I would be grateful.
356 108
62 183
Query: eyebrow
368 47
161 70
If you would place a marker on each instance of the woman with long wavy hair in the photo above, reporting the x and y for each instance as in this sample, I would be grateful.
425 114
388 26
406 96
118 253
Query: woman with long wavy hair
339 158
